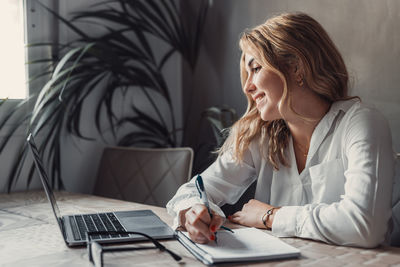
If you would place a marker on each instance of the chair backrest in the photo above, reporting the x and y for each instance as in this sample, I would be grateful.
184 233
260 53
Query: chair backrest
144 175
395 238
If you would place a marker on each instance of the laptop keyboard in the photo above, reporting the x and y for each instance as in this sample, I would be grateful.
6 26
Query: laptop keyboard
95 222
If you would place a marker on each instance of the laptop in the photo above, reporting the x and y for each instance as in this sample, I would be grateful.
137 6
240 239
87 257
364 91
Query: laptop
74 227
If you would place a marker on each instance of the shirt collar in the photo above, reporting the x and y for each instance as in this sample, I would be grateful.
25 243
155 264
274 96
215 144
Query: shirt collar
336 107
343 105
326 122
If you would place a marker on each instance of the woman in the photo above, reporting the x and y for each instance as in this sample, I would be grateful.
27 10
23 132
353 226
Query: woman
323 161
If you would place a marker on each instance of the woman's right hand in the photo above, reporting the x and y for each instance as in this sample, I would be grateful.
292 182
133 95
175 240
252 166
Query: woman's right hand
199 225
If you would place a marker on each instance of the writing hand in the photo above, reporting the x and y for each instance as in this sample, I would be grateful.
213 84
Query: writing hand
199 225
252 213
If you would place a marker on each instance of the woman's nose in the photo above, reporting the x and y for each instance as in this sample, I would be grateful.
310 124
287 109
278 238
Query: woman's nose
249 87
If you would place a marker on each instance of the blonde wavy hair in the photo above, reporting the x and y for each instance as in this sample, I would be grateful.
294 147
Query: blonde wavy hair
284 40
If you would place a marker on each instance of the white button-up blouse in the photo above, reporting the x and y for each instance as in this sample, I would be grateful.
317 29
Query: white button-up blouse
343 195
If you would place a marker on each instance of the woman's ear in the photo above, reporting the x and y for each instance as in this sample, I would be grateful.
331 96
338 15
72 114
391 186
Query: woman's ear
298 73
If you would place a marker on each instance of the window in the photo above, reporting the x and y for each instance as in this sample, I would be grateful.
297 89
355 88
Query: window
12 50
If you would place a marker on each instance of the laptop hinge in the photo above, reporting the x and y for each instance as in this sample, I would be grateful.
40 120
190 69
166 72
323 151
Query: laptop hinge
61 221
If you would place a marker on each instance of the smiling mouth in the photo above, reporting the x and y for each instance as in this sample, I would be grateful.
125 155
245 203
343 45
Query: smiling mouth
258 98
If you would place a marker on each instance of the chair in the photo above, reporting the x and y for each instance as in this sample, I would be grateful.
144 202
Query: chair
144 175
395 238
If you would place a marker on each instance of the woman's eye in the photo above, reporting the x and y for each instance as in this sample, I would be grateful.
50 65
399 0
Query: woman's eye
256 69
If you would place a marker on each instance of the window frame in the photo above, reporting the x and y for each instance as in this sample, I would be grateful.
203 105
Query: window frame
39 27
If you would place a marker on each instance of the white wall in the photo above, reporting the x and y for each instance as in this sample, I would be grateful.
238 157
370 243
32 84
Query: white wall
365 31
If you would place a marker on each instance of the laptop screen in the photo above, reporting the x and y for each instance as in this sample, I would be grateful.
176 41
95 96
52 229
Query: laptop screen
43 177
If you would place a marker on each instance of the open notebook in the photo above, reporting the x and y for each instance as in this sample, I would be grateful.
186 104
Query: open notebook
245 244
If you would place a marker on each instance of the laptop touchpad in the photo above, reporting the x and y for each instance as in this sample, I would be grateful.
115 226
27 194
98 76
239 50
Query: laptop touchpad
143 219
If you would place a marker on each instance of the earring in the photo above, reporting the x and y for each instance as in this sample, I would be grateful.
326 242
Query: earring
301 82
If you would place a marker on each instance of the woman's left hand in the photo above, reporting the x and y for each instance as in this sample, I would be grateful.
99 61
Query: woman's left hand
251 214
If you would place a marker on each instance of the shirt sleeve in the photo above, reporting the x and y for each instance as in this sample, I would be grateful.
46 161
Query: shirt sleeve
225 181
361 217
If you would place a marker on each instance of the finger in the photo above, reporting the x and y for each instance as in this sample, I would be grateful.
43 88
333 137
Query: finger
196 235
216 223
196 226
236 217
202 212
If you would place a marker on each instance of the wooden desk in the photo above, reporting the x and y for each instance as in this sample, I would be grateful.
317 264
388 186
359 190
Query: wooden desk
30 237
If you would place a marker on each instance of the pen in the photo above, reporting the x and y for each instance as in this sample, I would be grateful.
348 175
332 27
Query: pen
203 197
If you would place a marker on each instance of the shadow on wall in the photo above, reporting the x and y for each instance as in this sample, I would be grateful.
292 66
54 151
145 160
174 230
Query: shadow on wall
207 81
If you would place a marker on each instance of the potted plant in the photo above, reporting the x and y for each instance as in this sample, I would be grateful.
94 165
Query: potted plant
119 61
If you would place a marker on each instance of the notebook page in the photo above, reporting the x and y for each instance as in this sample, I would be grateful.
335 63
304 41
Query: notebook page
247 244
